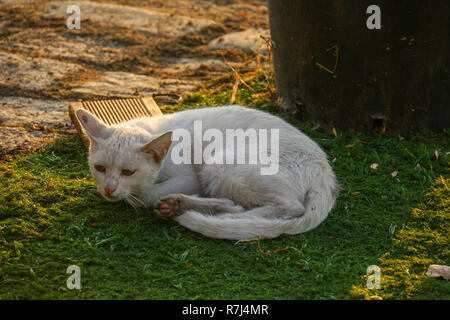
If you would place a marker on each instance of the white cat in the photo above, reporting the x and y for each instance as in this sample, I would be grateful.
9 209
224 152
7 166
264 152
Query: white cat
132 161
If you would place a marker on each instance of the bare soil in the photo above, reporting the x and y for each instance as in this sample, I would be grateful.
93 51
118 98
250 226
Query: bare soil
124 48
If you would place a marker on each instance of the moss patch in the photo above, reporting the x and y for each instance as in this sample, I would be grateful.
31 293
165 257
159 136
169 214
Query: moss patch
423 241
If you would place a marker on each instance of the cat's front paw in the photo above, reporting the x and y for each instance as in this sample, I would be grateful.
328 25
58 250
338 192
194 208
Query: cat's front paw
168 207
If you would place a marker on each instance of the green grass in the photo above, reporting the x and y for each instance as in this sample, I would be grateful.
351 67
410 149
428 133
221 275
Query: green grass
51 216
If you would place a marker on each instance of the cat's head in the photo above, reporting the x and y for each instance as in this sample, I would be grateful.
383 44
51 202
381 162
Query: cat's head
123 160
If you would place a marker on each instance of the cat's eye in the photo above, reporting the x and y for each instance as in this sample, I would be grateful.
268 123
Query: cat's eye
100 168
127 172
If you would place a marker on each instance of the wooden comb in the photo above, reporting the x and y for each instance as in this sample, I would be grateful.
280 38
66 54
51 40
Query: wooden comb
113 111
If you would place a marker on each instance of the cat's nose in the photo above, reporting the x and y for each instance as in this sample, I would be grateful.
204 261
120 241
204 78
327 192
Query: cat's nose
109 191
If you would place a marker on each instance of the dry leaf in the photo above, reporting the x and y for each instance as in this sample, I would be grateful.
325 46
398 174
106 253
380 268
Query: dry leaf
394 174
50 186
356 192
250 73
439 271
94 224
374 166
334 132
436 154
349 146
235 89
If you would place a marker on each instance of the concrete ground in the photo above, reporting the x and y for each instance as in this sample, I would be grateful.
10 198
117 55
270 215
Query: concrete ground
124 48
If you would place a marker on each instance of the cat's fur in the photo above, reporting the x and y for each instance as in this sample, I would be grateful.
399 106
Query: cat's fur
219 201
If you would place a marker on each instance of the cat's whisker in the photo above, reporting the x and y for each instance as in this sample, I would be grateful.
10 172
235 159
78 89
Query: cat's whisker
134 201
138 200
130 202
126 202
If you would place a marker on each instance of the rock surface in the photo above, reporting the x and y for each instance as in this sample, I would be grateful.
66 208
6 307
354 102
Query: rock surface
125 48
27 124
247 40
28 111
56 46
32 73
139 19
120 84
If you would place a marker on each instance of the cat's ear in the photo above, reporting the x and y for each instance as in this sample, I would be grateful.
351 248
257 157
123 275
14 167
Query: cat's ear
159 147
94 127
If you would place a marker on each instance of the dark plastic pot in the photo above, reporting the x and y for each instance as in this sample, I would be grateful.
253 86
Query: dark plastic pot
331 68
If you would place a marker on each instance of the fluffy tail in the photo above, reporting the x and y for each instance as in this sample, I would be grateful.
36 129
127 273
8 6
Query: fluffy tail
246 225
